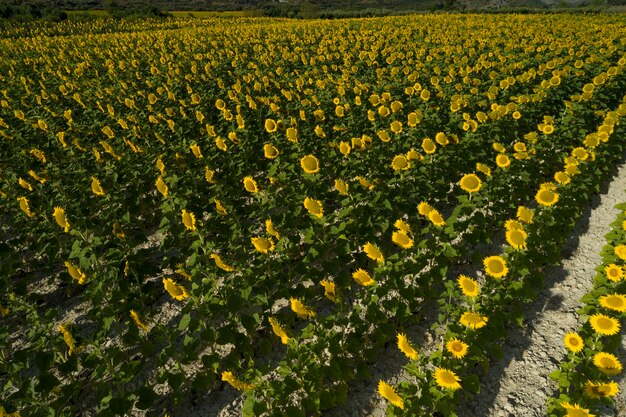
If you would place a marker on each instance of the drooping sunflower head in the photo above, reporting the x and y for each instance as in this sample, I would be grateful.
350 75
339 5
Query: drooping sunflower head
314 207
373 252
401 239
473 320
424 208
341 187
189 220
387 392
597 390
607 363
362 277
429 146
574 410
406 347
524 214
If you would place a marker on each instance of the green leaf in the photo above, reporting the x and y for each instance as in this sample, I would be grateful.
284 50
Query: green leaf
147 397
184 322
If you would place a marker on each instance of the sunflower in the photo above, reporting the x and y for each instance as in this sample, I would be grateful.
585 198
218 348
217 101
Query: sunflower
362 277
424 208
400 163
298 307
573 342
162 187
177 292
344 148
620 251
457 348
75 273
495 266
314 207
234 382
270 151
220 207
138 322
61 219
387 392
373 252
604 325
574 410
429 146
513 225
615 302
468 286
503 161
441 139
547 196
220 263
396 127
221 145
525 214
270 229
597 390
498 147
196 150
406 347
270 125
262 244
402 226
447 379
473 320
580 153
341 187
250 185
483 168
614 272
292 134
208 174
402 239
329 289
278 330
562 178
516 238
435 217
96 188
189 220
310 164
607 363
470 183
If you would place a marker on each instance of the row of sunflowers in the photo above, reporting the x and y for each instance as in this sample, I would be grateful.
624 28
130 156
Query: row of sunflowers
586 376
268 204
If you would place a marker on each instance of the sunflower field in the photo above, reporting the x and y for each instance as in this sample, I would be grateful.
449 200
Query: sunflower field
264 205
